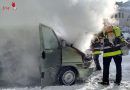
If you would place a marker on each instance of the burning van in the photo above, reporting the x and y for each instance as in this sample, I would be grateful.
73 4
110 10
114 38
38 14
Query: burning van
60 62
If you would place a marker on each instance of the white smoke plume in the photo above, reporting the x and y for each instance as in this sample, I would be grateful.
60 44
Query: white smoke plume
73 20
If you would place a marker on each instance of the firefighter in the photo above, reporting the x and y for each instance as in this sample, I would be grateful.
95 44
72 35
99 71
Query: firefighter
96 47
112 44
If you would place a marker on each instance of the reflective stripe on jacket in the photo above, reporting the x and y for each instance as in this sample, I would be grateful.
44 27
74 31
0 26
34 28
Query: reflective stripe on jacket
108 54
96 52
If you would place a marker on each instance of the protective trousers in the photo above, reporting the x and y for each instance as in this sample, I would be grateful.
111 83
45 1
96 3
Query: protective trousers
96 60
106 64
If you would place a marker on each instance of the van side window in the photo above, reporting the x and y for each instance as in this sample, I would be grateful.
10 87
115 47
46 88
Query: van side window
50 40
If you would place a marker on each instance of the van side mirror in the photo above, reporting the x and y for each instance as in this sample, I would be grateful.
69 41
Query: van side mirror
63 43
43 55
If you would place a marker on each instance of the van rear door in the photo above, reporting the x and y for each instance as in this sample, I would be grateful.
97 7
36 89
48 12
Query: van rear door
51 55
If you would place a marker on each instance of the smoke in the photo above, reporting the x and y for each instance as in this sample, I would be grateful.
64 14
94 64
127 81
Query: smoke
73 20
20 44
19 56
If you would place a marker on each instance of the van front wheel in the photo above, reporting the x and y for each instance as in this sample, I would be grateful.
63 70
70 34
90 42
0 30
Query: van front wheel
67 76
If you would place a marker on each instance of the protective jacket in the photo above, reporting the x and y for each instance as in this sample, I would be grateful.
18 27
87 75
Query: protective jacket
96 46
113 48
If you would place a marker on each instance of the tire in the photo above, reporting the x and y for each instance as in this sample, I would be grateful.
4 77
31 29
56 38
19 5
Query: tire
67 76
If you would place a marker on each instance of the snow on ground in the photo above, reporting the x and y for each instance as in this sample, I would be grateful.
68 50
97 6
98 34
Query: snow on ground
35 88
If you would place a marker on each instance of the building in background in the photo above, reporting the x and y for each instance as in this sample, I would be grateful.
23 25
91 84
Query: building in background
124 16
